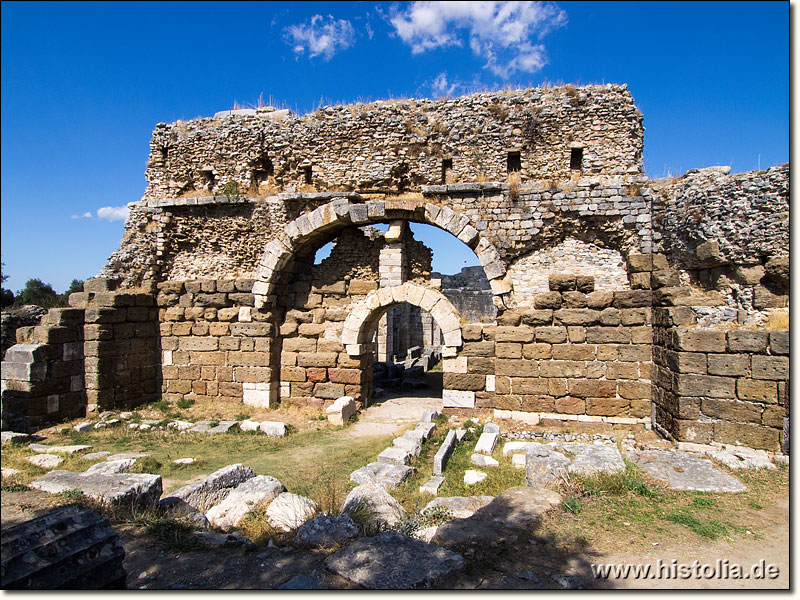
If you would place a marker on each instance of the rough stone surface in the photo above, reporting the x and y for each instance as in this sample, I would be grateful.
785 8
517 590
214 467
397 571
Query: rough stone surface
42 448
289 511
593 458
461 507
471 476
685 471
178 509
323 531
215 488
45 461
483 461
544 465
35 553
122 488
382 509
444 452
302 582
380 473
432 485
112 466
486 442
738 459
13 437
392 561
243 499
516 509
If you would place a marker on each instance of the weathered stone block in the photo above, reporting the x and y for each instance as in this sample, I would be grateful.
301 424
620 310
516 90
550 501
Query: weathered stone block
770 367
562 283
508 350
562 368
748 341
757 390
779 342
747 434
468 382
705 385
699 340
478 349
551 335
513 334
731 410
728 364
548 300
317 359
607 407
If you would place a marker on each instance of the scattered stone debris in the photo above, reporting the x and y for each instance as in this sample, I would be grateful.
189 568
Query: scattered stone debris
376 504
8 472
214 488
483 461
117 489
302 582
742 459
432 485
460 507
289 511
381 473
341 410
471 477
45 461
13 437
243 499
185 461
42 448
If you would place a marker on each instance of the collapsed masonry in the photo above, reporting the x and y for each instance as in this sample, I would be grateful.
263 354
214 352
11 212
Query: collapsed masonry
613 297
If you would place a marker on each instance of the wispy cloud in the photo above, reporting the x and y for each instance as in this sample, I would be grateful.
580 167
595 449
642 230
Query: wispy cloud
321 36
505 34
86 215
441 86
112 213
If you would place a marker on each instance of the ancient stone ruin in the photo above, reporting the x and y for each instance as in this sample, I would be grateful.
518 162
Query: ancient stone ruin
601 295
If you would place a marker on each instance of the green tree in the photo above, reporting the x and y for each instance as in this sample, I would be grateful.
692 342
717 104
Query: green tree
39 293
75 286
6 295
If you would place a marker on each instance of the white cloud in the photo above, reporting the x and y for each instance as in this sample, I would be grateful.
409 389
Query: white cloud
86 215
113 213
322 36
501 33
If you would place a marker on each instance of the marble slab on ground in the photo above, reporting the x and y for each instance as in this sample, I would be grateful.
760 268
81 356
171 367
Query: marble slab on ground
592 458
685 471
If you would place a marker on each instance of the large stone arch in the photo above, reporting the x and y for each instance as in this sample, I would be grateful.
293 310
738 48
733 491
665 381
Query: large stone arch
320 224
360 323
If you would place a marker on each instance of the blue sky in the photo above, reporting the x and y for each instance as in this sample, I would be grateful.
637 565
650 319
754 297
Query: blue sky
83 85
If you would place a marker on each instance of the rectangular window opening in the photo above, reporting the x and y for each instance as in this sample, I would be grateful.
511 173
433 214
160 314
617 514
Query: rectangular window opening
447 169
307 174
576 159
514 162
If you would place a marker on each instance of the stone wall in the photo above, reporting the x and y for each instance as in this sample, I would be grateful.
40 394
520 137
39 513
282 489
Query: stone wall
578 353
729 386
43 373
400 145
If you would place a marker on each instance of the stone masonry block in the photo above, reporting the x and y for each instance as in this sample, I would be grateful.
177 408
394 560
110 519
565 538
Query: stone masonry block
748 341
700 340
706 385
728 364
757 390
770 367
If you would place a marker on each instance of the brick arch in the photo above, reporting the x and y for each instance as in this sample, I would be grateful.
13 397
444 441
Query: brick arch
319 225
360 323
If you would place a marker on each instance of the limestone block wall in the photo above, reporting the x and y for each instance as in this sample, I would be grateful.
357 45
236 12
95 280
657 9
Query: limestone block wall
214 344
401 145
120 345
575 353
43 373
719 385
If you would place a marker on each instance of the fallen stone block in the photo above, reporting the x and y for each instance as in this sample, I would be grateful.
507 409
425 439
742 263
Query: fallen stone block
486 442
429 416
510 448
249 425
380 473
414 563
127 456
395 456
118 489
443 454
13 437
491 428
178 509
323 531
214 488
8 472
426 429
289 511
432 485
243 499
375 505
543 465
411 445
518 461
184 461
180 425
460 507
483 461
471 477
221 427
273 428
45 461
43 448
111 467
685 471
341 410
82 427
71 548
96 455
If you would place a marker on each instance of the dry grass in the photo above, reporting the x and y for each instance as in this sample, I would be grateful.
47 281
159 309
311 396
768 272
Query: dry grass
413 196
778 321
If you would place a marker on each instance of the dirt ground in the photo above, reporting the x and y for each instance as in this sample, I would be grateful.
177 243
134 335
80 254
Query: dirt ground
528 562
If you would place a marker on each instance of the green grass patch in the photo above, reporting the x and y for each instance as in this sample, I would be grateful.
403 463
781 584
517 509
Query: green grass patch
708 528
177 534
